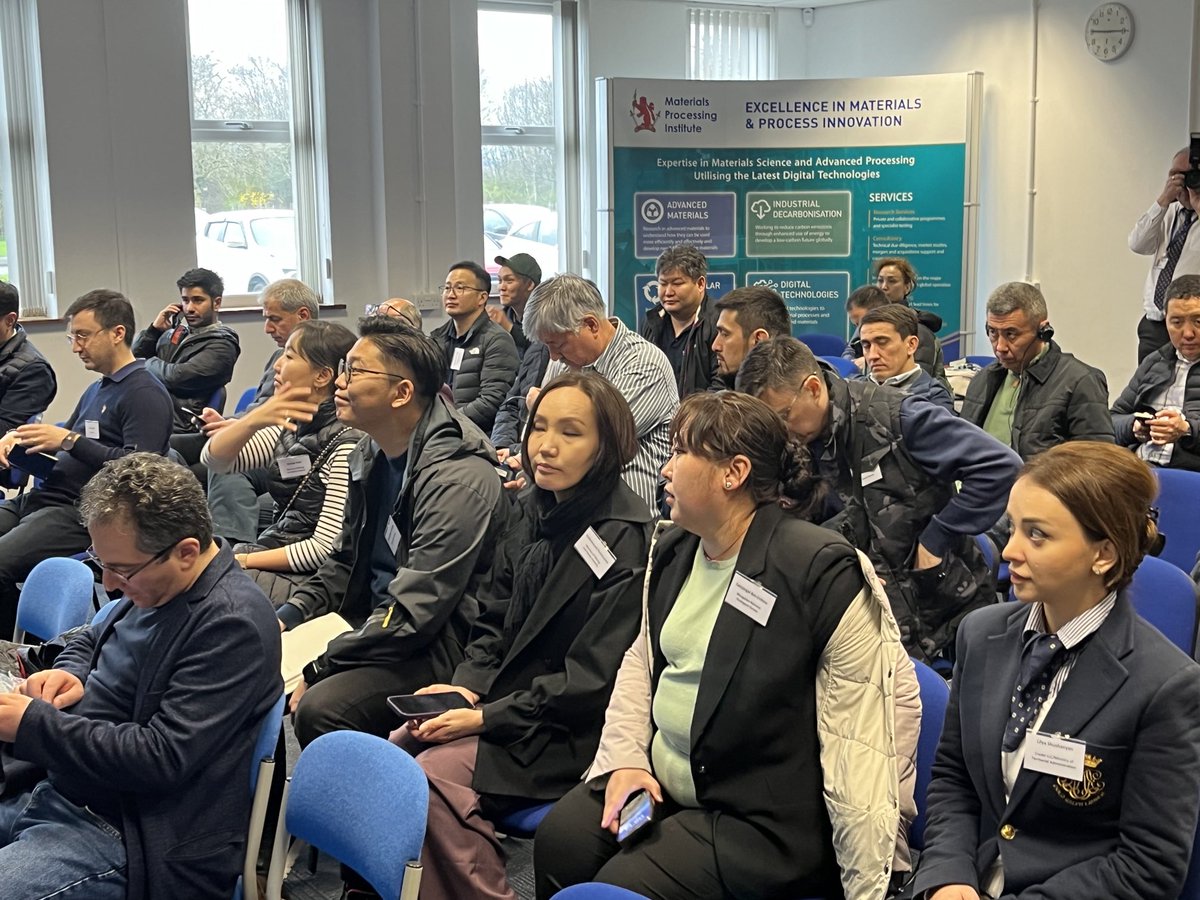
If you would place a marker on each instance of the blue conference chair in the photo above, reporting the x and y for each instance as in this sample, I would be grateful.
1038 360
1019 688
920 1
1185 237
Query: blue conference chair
262 767
1166 598
824 344
935 696
217 400
981 361
524 822
56 597
364 802
594 890
104 612
244 400
1178 499
844 367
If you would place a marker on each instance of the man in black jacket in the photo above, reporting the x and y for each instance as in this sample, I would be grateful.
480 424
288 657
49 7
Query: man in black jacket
683 322
481 355
519 275
188 350
27 383
1034 396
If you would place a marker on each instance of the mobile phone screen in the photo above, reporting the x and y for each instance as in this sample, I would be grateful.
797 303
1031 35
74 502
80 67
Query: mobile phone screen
634 814
426 706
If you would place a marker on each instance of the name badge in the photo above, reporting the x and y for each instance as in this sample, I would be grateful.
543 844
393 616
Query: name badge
391 534
456 360
748 596
91 429
294 467
595 552
1051 754
872 476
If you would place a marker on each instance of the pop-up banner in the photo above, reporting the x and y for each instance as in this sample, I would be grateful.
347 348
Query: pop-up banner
798 185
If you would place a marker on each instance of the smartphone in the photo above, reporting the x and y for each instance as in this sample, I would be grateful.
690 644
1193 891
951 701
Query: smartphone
426 706
506 474
637 813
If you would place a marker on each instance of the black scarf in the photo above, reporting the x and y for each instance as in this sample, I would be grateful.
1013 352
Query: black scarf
557 526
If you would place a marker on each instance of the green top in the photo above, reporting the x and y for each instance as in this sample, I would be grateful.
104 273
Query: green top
684 642
999 420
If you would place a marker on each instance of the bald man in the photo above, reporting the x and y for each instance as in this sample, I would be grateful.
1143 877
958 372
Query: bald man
404 310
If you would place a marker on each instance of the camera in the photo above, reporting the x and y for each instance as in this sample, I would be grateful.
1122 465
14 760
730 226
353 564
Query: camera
1191 178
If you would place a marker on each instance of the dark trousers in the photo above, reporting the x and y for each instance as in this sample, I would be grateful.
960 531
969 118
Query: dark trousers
674 861
233 500
356 699
1151 334
33 528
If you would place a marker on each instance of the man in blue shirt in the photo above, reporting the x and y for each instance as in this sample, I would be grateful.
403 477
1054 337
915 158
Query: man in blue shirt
128 409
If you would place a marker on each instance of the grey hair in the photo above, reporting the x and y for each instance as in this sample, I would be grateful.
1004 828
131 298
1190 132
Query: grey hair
781 363
683 258
161 499
560 304
291 294
1018 295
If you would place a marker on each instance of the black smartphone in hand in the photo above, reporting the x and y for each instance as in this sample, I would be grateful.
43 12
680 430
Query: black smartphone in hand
636 814
426 706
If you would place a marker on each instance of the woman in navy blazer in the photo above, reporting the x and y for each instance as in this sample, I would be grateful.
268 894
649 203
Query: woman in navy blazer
1069 672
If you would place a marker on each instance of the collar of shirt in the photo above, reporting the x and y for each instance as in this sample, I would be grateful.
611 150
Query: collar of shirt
1082 626
613 351
899 380
125 371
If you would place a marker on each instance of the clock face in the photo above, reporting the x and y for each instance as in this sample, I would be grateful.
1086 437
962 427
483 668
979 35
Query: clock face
1109 31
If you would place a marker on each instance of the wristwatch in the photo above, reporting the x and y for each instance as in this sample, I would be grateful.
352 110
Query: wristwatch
69 441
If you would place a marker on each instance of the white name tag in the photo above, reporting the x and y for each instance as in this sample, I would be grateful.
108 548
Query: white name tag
457 359
1053 755
748 596
391 534
294 466
595 552
872 476
91 429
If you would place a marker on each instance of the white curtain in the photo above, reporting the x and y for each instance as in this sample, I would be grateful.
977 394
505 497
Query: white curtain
729 44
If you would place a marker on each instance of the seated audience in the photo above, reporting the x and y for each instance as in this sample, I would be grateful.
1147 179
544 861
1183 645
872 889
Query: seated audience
895 464
417 539
519 275
1069 765
296 438
682 323
746 317
140 736
889 344
1158 413
481 355
513 412
27 382
1034 396
540 668
404 310
189 350
755 706
128 409
568 315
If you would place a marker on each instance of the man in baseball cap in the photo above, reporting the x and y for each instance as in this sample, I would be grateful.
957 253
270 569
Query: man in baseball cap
519 275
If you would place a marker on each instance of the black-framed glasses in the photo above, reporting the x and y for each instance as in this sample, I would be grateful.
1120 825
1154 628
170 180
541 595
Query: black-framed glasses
349 371
460 288
127 577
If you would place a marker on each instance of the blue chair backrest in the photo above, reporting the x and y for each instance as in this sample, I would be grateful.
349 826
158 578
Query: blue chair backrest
824 344
844 367
245 400
217 400
268 738
104 612
362 800
935 695
56 596
1178 499
597 891
981 361
1166 598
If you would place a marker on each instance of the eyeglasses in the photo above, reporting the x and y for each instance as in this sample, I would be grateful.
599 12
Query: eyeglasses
460 288
127 577
81 337
349 371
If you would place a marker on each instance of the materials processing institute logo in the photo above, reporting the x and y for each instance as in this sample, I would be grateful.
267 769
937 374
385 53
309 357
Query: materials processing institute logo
643 114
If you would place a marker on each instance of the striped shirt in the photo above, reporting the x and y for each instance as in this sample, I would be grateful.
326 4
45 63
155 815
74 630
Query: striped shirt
641 372
259 453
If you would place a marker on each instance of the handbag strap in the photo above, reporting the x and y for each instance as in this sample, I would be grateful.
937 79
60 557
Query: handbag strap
326 451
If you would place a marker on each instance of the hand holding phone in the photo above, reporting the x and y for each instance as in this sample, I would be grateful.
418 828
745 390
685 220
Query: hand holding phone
418 707
636 814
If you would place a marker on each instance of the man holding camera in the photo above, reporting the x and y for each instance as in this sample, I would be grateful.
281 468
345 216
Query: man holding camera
1165 232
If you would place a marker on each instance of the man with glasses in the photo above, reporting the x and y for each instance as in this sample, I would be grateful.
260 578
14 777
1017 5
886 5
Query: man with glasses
481 355
128 409
423 508
892 461
145 725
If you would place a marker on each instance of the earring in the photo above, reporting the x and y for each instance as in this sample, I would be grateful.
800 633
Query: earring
729 485
1096 570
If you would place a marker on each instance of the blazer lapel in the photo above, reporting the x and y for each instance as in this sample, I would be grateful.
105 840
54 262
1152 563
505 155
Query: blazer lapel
1098 673
732 629
563 583
994 683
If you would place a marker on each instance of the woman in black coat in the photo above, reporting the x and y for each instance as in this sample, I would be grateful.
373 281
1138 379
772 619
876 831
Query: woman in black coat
562 607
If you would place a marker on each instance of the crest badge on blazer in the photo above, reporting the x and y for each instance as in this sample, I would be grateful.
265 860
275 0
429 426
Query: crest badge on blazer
1087 791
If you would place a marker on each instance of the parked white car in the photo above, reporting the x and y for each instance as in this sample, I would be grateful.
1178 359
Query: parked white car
248 248
538 238
500 219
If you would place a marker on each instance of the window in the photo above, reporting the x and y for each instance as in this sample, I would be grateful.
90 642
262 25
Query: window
730 44
26 242
254 144
518 114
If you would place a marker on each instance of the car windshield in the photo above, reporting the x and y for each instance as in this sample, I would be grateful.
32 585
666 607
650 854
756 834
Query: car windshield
277 234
